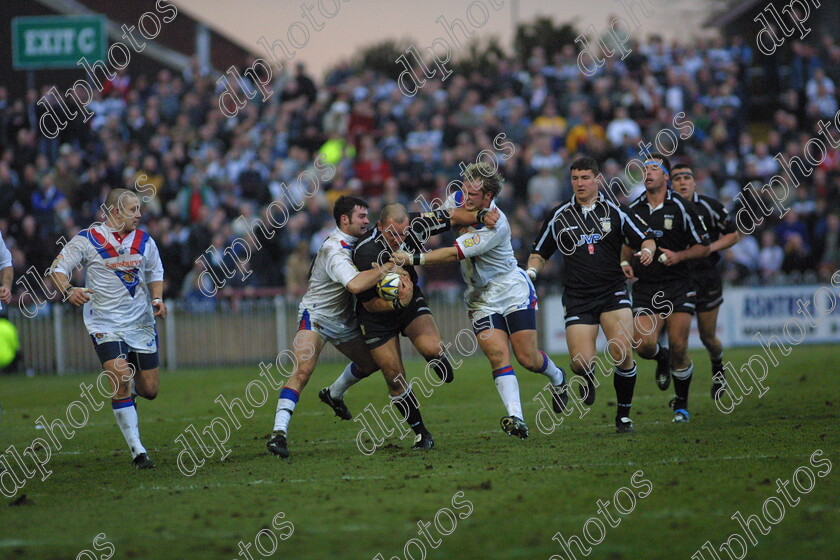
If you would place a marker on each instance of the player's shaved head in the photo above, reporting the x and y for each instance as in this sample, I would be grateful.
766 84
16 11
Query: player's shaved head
118 199
394 212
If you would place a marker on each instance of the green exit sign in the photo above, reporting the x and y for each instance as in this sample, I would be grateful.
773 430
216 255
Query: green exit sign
57 41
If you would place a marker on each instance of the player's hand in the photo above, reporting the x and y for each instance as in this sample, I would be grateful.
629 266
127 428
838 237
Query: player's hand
388 268
491 218
401 258
159 308
645 256
670 257
5 295
406 290
628 272
79 296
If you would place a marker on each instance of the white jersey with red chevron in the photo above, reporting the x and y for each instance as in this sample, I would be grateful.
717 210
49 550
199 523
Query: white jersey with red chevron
331 271
118 271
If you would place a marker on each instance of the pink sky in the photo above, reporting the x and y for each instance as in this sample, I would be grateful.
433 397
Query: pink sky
361 22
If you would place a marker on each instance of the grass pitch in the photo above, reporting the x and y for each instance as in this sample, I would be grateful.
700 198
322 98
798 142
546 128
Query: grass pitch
343 504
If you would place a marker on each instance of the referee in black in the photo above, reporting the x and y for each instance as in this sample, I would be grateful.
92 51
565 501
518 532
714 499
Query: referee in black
590 231
664 293
707 280
383 321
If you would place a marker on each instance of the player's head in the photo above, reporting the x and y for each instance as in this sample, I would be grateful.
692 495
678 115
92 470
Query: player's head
481 185
657 171
394 225
682 179
582 173
351 215
122 210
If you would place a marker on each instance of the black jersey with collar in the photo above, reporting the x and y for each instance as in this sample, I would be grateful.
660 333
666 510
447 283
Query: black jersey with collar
373 249
675 225
718 223
590 241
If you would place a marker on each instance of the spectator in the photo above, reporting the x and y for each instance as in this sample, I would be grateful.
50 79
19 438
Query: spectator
621 127
770 257
195 196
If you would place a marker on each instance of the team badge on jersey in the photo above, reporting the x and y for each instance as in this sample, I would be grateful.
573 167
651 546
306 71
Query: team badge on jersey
606 224
474 240
130 279
669 222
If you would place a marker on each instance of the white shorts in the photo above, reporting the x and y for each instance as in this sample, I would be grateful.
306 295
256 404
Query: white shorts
334 332
502 295
139 339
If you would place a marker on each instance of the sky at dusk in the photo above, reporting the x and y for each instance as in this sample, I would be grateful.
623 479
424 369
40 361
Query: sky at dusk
361 22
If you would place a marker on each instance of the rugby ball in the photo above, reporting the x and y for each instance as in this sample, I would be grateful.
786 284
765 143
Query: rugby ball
389 286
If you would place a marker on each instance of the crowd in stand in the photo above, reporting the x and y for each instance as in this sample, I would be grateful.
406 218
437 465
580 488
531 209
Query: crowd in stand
198 171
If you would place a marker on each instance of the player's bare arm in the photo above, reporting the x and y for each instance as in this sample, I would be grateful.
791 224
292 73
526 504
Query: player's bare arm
6 276
156 289
697 251
645 254
536 263
626 255
369 278
380 305
76 296
462 217
437 257
725 242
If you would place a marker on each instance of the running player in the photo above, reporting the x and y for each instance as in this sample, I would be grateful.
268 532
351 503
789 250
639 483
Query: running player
664 293
500 298
326 315
590 231
707 281
121 298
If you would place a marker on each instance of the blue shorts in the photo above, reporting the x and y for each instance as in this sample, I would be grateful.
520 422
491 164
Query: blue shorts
108 351
522 320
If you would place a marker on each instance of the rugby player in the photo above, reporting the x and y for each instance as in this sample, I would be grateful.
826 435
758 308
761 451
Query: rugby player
123 294
6 273
382 321
707 280
326 315
501 300
663 295
590 231
6 277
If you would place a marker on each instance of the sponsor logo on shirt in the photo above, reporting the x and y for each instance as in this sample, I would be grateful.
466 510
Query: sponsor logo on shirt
589 238
124 264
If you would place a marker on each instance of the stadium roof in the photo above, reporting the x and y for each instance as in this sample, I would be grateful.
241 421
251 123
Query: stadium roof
172 49
729 16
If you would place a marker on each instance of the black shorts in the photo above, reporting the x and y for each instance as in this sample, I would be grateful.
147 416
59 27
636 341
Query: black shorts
379 328
664 298
709 287
586 310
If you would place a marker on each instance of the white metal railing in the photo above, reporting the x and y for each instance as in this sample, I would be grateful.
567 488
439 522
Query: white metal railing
55 341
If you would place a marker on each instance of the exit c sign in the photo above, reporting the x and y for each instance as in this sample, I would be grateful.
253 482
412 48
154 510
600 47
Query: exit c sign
57 41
